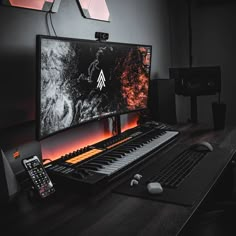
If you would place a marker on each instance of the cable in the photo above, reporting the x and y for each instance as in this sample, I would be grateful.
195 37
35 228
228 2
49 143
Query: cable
189 4
51 23
171 35
113 126
116 126
48 28
50 14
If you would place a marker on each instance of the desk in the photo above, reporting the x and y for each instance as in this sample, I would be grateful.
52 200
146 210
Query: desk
107 213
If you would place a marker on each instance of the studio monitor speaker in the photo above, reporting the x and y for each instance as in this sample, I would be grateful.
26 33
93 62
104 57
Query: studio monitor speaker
17 154
196 81
162 100
8 183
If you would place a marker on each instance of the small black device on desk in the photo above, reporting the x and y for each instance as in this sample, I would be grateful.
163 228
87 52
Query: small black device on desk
42 184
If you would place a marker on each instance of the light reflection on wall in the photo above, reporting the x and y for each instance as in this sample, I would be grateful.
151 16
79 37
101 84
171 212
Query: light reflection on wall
129 121
68 141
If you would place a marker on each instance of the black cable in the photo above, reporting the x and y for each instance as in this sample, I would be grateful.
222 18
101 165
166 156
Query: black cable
219 97
113 126
116 125
48 28
171 35
189 3
50 14
51 23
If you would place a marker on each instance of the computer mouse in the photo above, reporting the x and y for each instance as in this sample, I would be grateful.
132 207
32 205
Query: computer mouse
202 146
154 188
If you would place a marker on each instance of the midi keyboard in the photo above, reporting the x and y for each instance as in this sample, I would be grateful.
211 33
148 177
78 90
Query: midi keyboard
108 159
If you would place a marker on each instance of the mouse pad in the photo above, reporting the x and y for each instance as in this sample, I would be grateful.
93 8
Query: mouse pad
193 188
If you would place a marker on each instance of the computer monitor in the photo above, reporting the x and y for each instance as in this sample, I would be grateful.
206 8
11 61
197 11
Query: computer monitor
84 80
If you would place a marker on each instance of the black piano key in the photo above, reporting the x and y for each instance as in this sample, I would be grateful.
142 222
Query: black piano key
94 164
90 167
109 158
116 155
129 148
125 149
118 151
135 145
102 162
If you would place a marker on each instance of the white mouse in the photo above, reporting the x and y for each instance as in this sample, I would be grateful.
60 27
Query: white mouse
154 188
202 146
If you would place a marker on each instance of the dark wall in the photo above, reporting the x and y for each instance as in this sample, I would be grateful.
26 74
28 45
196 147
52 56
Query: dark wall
145 22
213 39
214 35
131 21
17 63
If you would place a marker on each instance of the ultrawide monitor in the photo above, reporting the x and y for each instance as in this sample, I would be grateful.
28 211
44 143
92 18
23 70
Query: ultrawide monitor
85 80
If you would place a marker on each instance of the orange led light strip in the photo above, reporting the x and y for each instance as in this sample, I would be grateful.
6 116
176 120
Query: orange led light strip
115 144
84 156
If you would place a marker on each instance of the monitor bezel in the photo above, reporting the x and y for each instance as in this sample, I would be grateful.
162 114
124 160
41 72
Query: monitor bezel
39 39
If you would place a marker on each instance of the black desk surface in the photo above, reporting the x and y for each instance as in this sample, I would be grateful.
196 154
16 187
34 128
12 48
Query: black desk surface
106 213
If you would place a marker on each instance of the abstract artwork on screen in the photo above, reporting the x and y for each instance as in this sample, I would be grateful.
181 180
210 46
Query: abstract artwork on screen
82 81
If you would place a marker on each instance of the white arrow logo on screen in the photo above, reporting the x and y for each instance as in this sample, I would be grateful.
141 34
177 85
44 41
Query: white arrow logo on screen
101 80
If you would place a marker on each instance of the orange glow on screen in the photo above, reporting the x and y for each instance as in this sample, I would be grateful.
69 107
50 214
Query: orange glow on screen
131 124
77 144
51 152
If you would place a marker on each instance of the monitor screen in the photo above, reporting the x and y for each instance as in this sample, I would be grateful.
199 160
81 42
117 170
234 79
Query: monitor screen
85 80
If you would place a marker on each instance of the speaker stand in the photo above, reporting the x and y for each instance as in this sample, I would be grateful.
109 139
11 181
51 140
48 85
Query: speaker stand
194 109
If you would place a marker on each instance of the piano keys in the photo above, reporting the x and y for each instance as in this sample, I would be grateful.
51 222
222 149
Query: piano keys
106 159
123 156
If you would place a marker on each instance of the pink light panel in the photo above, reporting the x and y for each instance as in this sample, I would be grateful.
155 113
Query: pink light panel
31 4
97 9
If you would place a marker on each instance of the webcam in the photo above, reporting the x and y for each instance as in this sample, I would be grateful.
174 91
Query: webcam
101 36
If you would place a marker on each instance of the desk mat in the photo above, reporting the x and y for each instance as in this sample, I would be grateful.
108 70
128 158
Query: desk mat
193 189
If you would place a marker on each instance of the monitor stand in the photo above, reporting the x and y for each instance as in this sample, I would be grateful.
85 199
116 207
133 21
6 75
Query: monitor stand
116 125
194 109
